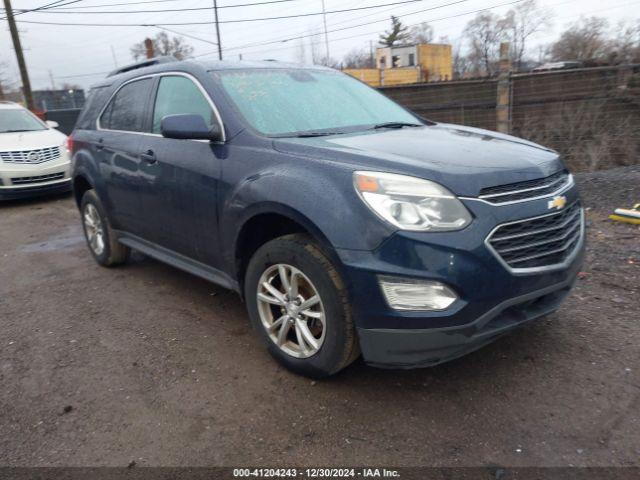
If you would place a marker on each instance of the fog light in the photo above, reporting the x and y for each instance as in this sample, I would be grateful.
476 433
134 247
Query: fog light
407 294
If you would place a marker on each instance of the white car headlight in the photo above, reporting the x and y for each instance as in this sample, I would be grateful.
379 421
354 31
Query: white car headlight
411 203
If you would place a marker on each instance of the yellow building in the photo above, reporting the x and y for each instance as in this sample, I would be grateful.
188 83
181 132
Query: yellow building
408 64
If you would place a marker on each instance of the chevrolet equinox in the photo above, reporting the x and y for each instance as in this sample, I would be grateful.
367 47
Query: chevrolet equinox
348 224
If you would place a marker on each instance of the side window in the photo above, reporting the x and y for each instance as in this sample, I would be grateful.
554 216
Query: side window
179 95
95 101
126 109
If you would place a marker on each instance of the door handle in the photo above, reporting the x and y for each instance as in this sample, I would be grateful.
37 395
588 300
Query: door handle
100 144
149 156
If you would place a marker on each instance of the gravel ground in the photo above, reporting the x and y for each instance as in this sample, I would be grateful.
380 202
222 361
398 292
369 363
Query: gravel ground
145 363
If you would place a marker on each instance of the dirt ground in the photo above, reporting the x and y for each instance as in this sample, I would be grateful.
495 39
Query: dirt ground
145 363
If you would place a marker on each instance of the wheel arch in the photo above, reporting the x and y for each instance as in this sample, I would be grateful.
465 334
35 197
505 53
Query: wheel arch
81 184
268 222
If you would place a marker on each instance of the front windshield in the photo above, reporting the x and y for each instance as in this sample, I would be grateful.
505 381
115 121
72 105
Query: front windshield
285 102
18 120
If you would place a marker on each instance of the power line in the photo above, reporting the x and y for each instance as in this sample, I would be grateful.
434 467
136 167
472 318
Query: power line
187 35
299 37
115 4
373 33
416 24
369 23
191 9
43 7
333 40
244 20
342 22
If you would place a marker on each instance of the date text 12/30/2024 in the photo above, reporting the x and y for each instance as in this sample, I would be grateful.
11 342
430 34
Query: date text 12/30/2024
315 473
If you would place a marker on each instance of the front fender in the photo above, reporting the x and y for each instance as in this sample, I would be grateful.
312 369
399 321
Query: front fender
319 196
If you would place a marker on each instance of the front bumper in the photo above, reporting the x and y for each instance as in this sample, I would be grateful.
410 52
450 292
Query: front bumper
58 187
428 347
492 300
59 170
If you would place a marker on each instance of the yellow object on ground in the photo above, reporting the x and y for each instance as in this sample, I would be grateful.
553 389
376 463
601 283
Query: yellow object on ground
627 215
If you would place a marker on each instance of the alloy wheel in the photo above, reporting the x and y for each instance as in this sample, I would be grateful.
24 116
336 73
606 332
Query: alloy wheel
94 229
291 310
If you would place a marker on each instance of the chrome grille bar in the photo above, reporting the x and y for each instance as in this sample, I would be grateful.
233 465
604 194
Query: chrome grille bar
527 190
37 178
546 254
539 243
559 181
35 156
542 230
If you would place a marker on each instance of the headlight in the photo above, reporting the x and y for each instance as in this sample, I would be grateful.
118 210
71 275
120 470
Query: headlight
411 203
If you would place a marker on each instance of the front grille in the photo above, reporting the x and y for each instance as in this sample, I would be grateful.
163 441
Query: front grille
39 155
541 241
37 179
514 192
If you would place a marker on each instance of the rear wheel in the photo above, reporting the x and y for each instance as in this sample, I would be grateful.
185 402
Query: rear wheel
298 304
101 239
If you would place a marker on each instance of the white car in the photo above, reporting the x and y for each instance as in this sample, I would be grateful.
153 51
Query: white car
34 159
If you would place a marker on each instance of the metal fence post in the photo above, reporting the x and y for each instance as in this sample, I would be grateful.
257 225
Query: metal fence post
503 103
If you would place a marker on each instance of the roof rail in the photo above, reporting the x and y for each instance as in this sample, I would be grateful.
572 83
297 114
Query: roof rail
144 63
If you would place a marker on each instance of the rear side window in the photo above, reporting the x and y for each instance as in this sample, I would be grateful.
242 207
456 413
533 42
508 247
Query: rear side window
179 95
95 101
126 110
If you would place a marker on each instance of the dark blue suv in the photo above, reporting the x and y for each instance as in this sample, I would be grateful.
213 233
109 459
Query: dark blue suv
347 224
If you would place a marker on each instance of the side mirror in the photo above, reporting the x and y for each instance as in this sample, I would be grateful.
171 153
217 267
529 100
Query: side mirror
52 124
189 127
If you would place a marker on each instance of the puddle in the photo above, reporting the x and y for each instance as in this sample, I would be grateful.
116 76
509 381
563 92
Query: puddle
72 238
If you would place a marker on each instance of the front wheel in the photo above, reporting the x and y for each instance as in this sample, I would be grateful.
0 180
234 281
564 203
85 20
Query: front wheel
298 304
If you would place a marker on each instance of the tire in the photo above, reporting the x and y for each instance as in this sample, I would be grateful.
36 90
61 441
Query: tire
334 345
108 252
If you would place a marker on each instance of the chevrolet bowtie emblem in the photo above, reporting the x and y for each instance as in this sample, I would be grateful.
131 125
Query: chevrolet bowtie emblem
558 202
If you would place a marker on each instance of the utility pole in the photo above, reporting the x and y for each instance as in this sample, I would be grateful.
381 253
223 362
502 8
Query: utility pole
326 35
26 84
215 13
53 83
113 54
503 102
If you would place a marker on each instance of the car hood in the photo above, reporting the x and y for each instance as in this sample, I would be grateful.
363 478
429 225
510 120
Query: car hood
463 159
31 140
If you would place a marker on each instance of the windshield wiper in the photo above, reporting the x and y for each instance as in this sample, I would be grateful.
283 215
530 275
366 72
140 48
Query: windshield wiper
315 134
396 125
15 131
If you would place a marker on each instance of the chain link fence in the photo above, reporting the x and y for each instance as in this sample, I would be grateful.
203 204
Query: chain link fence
590 115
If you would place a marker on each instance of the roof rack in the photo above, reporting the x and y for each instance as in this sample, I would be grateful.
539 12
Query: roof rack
144 63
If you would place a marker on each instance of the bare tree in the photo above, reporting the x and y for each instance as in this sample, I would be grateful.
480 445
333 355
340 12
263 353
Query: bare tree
5 83
484 34
521 23
318 58
422 33
625 47
164 45
585 40
397 35
358 58
461 64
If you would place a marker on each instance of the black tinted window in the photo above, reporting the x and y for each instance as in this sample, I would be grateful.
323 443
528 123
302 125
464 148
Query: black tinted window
126 109
95 101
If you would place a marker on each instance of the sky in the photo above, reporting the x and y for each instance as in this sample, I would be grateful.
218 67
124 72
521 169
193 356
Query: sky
57 54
